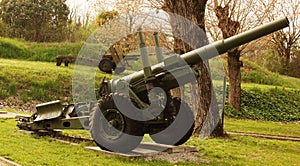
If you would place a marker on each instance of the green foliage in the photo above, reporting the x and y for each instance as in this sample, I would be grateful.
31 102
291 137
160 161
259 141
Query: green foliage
274 62
36 20
269 60
10 48
294 65
79 33
4 29
9 86
272 104
47 52
105 17
254 73
38 81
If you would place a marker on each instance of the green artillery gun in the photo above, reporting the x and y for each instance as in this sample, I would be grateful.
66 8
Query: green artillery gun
141 103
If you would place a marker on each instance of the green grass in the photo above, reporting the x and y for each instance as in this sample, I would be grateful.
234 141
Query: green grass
34 80
240 150
46 52
236 150
32 150
11 48
253 73
232 124
262 127
39 81
294 81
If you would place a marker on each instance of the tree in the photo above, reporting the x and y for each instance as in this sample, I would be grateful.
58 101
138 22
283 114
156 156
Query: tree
105 16
3 29
286 41
36 20
132 11
194 11
233 17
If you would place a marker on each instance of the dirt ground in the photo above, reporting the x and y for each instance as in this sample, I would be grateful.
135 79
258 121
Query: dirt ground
12 103
193 157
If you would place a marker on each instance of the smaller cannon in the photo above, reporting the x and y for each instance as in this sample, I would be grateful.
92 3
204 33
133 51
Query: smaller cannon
131 106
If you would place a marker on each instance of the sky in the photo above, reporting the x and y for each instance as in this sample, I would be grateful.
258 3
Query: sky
86 6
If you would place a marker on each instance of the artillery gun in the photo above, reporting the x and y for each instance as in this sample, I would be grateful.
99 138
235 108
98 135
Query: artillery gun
132 106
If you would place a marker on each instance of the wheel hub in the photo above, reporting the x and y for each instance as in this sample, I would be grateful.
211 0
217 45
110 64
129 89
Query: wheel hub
113 124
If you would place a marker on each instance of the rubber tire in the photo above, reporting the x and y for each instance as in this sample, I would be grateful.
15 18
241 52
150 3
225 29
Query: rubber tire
106 65
132 132
169 136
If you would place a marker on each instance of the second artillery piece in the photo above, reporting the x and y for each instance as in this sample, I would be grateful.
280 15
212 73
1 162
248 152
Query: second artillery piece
131 106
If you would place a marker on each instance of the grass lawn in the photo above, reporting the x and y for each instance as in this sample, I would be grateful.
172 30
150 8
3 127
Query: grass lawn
262 127
32 150
240 150
235 150
28 81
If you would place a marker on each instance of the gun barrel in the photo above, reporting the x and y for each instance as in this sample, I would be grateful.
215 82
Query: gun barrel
222 46
217 48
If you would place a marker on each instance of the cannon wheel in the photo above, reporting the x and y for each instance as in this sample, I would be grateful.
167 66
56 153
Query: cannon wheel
106 65
181 128
113 131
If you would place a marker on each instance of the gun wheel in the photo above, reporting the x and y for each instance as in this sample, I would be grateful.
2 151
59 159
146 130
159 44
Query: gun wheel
106 65
113 131
180 130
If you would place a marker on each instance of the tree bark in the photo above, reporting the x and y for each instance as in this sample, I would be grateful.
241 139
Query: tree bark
204 84
230 28
193 10
235 79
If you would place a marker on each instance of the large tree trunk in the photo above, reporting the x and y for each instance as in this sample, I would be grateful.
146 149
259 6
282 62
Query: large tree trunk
204 85
193 10
230 28
235 79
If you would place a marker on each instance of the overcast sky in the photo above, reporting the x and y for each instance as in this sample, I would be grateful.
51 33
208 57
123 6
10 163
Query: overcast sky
86 6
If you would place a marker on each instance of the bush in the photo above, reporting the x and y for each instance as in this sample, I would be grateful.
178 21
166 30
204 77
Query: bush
37 81
274 104
254 73
47 52
4 29
275 63
13 49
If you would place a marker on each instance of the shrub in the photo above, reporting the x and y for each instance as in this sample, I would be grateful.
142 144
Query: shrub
274 104
47 52
13 49
254 73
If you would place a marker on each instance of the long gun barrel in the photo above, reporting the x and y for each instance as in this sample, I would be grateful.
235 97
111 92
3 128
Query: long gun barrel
222 46
216 48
